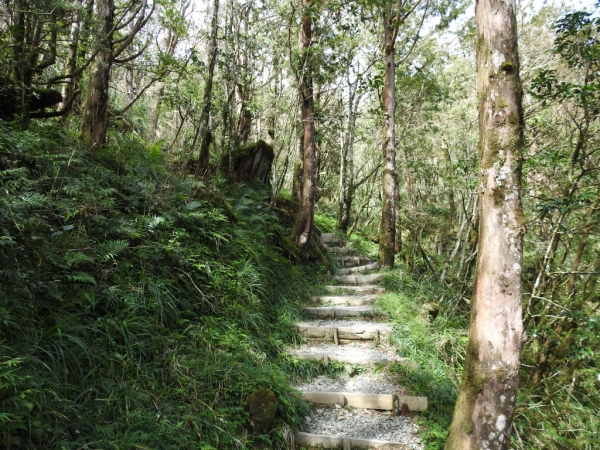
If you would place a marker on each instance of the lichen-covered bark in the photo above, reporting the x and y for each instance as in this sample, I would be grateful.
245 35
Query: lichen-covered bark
204 132
484 410
388 214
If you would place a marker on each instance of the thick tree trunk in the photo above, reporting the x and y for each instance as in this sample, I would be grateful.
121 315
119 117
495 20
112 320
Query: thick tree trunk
204 132
387 240
95 108
484 410
304 221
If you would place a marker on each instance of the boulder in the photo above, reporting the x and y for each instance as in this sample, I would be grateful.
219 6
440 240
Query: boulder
262 406
252 161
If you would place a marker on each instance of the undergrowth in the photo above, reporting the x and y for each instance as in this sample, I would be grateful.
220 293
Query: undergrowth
437 348
138 308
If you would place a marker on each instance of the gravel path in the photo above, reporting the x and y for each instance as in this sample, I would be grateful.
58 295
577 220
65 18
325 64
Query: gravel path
370 383
343 323
363 424
355 349
347 422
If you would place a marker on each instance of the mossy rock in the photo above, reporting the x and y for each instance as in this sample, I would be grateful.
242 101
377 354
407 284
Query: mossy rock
431 310
262 406
250 162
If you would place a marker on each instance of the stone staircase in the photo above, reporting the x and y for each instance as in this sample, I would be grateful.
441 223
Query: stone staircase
358 411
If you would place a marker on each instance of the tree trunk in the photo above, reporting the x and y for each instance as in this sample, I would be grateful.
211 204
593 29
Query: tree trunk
346 192
95 108
204 129
484 410
304 221
387 240
69 87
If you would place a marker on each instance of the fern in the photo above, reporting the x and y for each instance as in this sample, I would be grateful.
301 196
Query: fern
109 250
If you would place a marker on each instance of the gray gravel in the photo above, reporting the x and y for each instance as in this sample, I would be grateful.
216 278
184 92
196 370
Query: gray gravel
370 383
363 424
343 323
355 349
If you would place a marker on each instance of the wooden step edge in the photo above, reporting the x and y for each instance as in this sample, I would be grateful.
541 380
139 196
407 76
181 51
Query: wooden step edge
350 270
358 289
386 402
357 361
343 335
342 250
310 440
359 279
346 300
336 311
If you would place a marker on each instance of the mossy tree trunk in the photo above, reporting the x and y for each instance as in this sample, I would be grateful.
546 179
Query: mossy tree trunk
484 411
203 133
387 241
95 107
305 219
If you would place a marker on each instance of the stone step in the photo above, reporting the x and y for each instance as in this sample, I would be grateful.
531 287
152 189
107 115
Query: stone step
310 440
359 279
342 250
333 312
341 333
345 300
355 360
331 239
350 270
352 261
367 401
357 289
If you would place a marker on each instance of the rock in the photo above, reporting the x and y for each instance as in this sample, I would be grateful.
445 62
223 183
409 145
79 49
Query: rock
262 406
431 309
251 161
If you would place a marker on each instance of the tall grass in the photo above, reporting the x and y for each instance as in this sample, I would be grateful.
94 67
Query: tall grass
138 308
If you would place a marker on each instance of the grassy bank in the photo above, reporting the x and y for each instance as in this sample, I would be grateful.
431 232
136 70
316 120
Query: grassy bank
138 308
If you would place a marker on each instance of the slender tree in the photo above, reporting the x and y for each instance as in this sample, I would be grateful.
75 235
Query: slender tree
484 410
203 132
305 219
387 240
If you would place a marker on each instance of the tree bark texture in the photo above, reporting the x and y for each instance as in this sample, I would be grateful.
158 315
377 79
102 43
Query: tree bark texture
204 129
484 410
387 241
95 108
305 219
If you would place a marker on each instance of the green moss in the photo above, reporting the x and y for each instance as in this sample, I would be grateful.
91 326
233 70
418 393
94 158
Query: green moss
473 380
507 67
290 248
513 119
501 102
488 159
498 196
262 406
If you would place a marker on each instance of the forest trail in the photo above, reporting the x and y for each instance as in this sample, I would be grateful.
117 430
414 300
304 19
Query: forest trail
364 409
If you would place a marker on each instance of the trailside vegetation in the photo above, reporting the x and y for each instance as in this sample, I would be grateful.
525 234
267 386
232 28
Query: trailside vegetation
148 285
137 307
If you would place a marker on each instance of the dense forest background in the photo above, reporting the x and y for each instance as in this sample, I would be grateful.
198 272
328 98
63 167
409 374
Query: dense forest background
144 294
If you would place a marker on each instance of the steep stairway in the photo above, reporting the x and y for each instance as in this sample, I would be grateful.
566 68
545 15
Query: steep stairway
364 409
